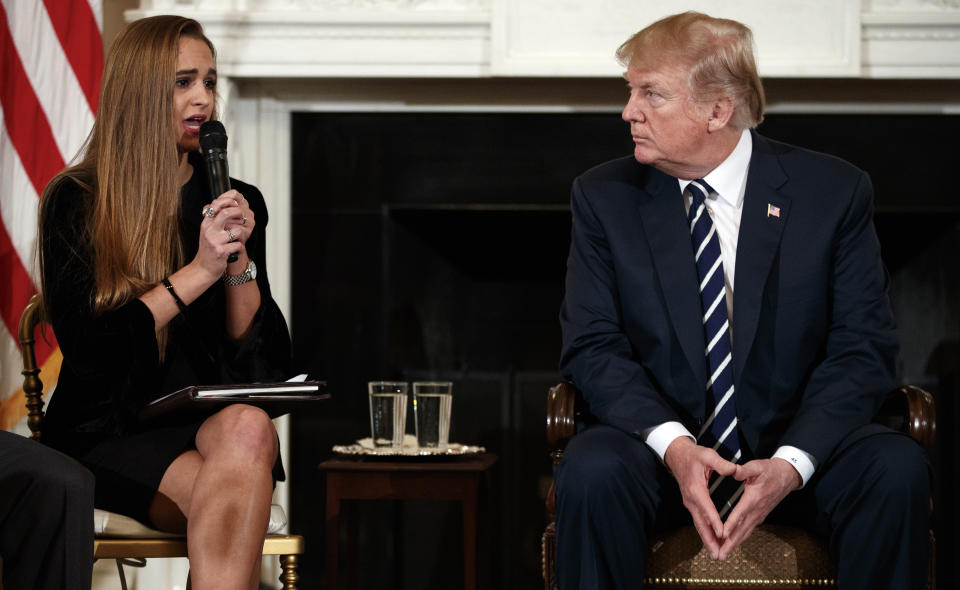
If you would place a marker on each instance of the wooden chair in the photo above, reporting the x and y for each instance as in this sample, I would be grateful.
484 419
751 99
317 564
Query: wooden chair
124 539
773 557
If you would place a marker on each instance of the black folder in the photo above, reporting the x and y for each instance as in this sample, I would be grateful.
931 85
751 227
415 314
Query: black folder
198 401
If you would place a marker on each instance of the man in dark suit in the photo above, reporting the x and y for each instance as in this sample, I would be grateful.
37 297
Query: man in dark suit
46 518
727 322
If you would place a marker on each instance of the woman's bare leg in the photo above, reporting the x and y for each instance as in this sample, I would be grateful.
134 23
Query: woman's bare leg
224 489
171 504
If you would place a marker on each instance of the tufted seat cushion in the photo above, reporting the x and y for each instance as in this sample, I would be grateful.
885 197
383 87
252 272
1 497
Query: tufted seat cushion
773 556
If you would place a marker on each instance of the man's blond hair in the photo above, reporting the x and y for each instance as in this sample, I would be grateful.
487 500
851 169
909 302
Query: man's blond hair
716 53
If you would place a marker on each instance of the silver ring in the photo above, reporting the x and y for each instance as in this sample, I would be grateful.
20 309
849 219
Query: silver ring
231 235
209 212
244 220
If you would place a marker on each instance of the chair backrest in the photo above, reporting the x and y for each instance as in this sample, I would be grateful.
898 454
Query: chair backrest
32 385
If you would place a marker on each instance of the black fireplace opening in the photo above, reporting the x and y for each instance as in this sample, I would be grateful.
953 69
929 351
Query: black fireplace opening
433 245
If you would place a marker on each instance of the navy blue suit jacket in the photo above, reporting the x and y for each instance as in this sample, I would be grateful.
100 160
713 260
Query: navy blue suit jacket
814 339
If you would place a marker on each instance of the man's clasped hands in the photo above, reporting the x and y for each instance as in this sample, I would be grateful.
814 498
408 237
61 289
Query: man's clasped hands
766 483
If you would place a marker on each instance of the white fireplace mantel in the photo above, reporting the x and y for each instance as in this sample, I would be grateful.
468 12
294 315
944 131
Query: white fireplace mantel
483 38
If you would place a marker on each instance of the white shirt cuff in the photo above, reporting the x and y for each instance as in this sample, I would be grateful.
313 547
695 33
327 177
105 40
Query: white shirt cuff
803 462
659 437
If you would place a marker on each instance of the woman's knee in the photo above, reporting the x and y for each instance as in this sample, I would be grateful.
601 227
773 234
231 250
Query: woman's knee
240 428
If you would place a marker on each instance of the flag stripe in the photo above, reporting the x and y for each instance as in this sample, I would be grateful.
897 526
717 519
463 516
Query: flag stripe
51 76
51 60
18 205
18 288
18 230
80 38
96 7
25 121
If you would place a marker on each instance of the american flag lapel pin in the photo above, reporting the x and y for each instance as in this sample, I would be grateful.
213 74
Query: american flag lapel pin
773 210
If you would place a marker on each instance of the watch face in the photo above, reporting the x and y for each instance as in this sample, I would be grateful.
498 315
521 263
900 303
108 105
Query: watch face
252 270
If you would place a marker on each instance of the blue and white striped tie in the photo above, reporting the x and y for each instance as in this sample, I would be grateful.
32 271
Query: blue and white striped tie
719 431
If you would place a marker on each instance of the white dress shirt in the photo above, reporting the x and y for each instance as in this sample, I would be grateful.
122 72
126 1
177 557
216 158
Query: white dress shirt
725 205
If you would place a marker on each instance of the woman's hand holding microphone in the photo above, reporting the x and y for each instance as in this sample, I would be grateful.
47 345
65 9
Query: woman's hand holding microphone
227 224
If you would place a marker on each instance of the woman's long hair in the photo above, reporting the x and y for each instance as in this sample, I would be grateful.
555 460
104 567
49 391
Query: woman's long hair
129 164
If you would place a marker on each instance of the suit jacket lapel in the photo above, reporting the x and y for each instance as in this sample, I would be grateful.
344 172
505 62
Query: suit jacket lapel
760 230
665 225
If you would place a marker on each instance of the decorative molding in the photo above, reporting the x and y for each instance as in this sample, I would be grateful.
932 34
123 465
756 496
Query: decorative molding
899 43
310 5
911 34
814 38
261 39
909 5
340 38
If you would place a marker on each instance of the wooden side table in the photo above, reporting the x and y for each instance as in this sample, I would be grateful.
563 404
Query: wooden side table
441 478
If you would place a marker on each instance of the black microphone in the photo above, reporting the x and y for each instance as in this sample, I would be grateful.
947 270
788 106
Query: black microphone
213 146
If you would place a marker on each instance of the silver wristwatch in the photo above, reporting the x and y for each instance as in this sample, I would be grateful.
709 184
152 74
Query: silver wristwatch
246 276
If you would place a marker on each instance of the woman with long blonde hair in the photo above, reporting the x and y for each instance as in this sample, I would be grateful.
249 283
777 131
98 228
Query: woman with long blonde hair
137 283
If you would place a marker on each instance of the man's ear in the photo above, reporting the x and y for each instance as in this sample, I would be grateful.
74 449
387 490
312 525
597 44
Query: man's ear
721 113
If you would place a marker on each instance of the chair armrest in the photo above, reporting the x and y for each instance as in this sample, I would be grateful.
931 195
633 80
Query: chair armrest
911 410
560 429
560 416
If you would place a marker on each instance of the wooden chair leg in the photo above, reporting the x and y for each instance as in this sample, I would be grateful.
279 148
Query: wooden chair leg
289 576
548 546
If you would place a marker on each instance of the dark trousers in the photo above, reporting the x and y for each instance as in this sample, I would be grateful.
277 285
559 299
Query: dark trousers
46 517
871 499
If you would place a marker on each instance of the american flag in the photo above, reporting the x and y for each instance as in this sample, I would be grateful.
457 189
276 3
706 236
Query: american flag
51 61
773 210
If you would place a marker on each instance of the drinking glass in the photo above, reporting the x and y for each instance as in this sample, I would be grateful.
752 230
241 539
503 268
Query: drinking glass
388 413
432 401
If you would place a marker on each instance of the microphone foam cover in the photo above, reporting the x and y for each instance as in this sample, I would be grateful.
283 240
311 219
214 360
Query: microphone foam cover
213 136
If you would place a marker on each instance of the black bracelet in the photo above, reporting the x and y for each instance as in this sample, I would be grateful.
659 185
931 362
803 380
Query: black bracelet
180 303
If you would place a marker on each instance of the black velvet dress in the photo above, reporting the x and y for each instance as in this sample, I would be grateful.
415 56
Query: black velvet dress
111 362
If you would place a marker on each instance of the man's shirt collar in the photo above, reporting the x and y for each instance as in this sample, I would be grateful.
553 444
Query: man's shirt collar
729 179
